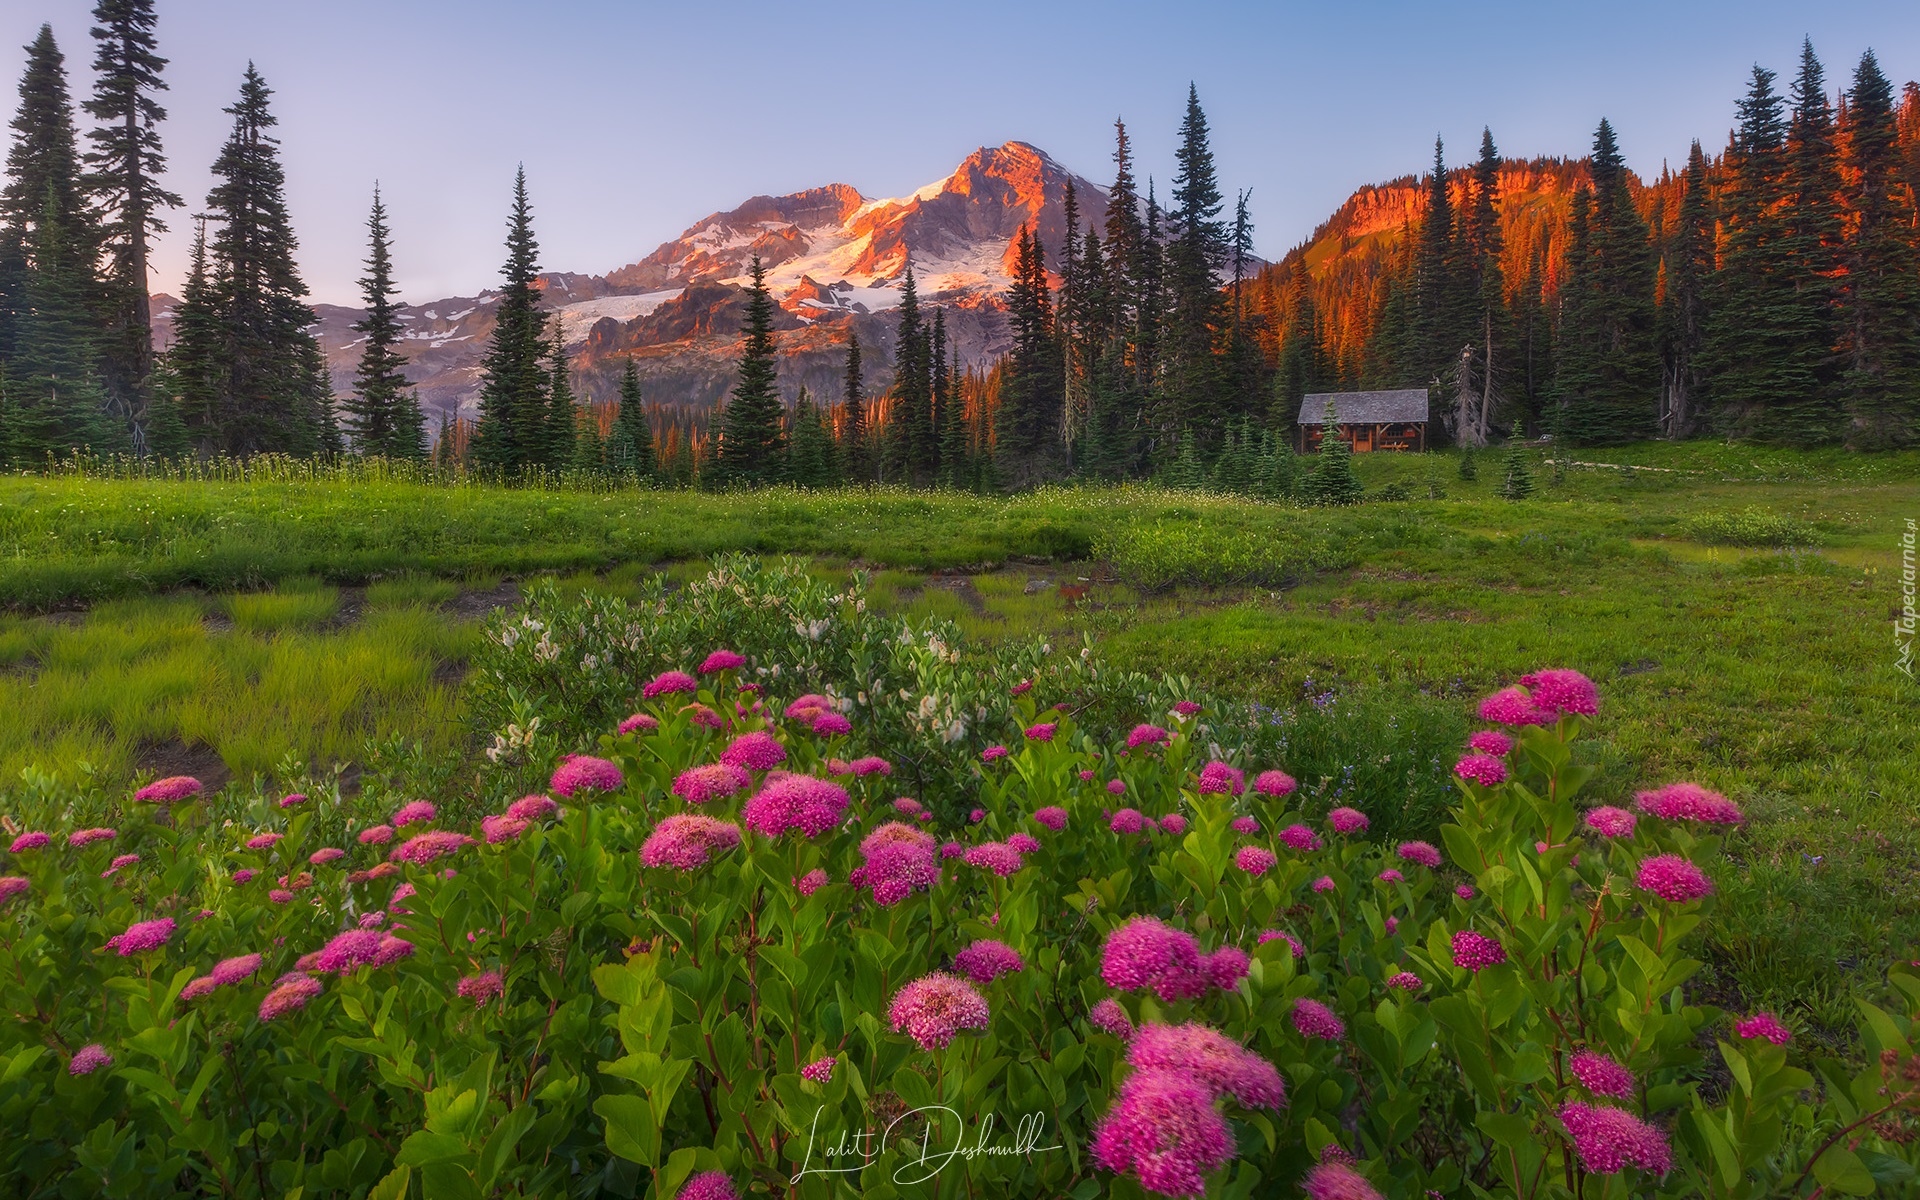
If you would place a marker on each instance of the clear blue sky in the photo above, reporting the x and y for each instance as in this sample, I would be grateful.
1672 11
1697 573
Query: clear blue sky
634 119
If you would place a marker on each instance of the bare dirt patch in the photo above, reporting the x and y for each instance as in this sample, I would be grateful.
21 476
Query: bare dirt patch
472 606
176 757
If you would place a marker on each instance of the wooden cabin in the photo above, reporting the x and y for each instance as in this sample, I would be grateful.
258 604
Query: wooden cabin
1392 420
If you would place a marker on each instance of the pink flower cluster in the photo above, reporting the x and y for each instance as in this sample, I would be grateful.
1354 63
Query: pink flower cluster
998 857
1026 843
1475 951
357 948
667 683
582 773
1559 690
290 994
1127 821
934 1008
1147 735
1226 967
1601 1075
1042 732
1245 825
171 790
1422 853
426 847
415 812
1274 784
31 840
993 753
1109 1018
1219 779
1611 822
1174 824
1689 802
1165 1126
1406 981
643 722
1300 838
714 781
709 1185
142 936
1224 1065
1254 860
13 885
808 708
820 1070
1315 1020
1483 769
871 764
480 988
1347 820
1610 1139
755 751
1281 935
811 882
688 841
987 960
1673 878
376 835
263 841
795 802
899 862
1764 1025
1491 741
88 1059
86 837
1337 1181
1146 953
721 660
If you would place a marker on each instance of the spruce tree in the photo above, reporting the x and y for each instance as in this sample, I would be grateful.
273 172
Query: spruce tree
630 448
270 381
1437 329
1517 481
510 433
55 404
1812 245
1880 297
751 450
188 375
1149 321
1196 257
124 167
1486 288
1689 265
1469 469
1331 481
383 414
956 435
939 384
856 435
810 457
562 413
589 454
1027 425
910 431
1124 231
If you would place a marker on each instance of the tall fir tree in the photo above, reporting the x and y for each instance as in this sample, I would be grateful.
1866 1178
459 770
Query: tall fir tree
1149 322
1689 264
1609 375
1300 370
811 462
511 433
752 446
1124 230
910 432
856 433
1486 293
956 434
1812 242
124 167
562 412
1196 257
939 393
630 448
1436 334
1331 481
1880 297
187 375
1026 433
383 414
54 403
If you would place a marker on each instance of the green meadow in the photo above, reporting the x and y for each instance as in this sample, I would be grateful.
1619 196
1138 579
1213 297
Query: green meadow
1734 604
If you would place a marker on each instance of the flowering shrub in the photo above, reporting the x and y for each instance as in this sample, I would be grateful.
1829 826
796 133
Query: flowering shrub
700 955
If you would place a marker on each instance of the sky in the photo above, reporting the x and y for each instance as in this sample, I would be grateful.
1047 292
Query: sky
635 119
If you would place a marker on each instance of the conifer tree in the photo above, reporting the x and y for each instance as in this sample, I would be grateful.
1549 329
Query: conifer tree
956 435
562 413
751 447
856 435
910 431
589 447
1437 329
1609 377
124 167
1196 257
1150 317
1124 231
1486 287
1812 244
1300 370
1331 481
1689 267
510 433
271 392
188 374
1469 469
1517 481
630 448
54 403
1028 420
383 414
938 385
1184 472
1880 298
810 455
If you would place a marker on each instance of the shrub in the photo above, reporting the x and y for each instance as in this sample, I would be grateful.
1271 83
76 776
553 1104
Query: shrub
1158 554
1751 527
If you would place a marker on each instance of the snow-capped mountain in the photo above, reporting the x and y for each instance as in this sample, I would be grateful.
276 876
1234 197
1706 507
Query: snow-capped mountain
834 259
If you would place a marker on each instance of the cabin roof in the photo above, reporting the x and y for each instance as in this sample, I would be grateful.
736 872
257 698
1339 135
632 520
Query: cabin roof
1395 407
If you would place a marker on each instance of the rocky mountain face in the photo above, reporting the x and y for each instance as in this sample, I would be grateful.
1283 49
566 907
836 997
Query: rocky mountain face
835 261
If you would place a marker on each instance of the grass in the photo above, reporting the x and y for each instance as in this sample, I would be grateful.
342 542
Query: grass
1732 601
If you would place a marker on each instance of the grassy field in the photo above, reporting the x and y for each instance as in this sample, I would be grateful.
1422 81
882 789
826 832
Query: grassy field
1734 604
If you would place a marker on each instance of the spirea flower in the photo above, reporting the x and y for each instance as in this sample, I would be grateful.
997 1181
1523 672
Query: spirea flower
1219 779
480 988
908 805
426 847
499 827
1127 821
414 812
119 861
709 1185
289 994
325 855
244 876
1513 706
171 790
714 781
1021 688
1299 837
280 895
582 772
1146 953
1491 741
1254 860
1337 1181
755 751
952 849
229 971
393 949
1116 787
1475 951
1185 708
1248 825
1225 1066
1024 843
378 835
1315 1020
1274 783
688 841
702 716
1609 1139
1347 820
1174 824
31 840
1611 822
1226 967
1147 735
1392 876
373 920
1422 853
1483 769
896 869
86 837
1764 1025
935 1007
1086 776
1406 981
811 882
348 950
667 683
1559 690
1281 935
640 723
1689 802
987 960
1164 1128
1464 891
1601 1075
721 660
795 802
976 816
1673 878
871 764
142 936
1043 732
13 885
88 1059
1109 1018
993 753
263 841
532 808
998 857
198 989
1323 884
820 1070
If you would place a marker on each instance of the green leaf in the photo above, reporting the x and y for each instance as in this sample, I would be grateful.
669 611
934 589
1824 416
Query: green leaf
631 1132
1885 1168
426 1147
1509 1129
1842 1170
1886 1034
394 1186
